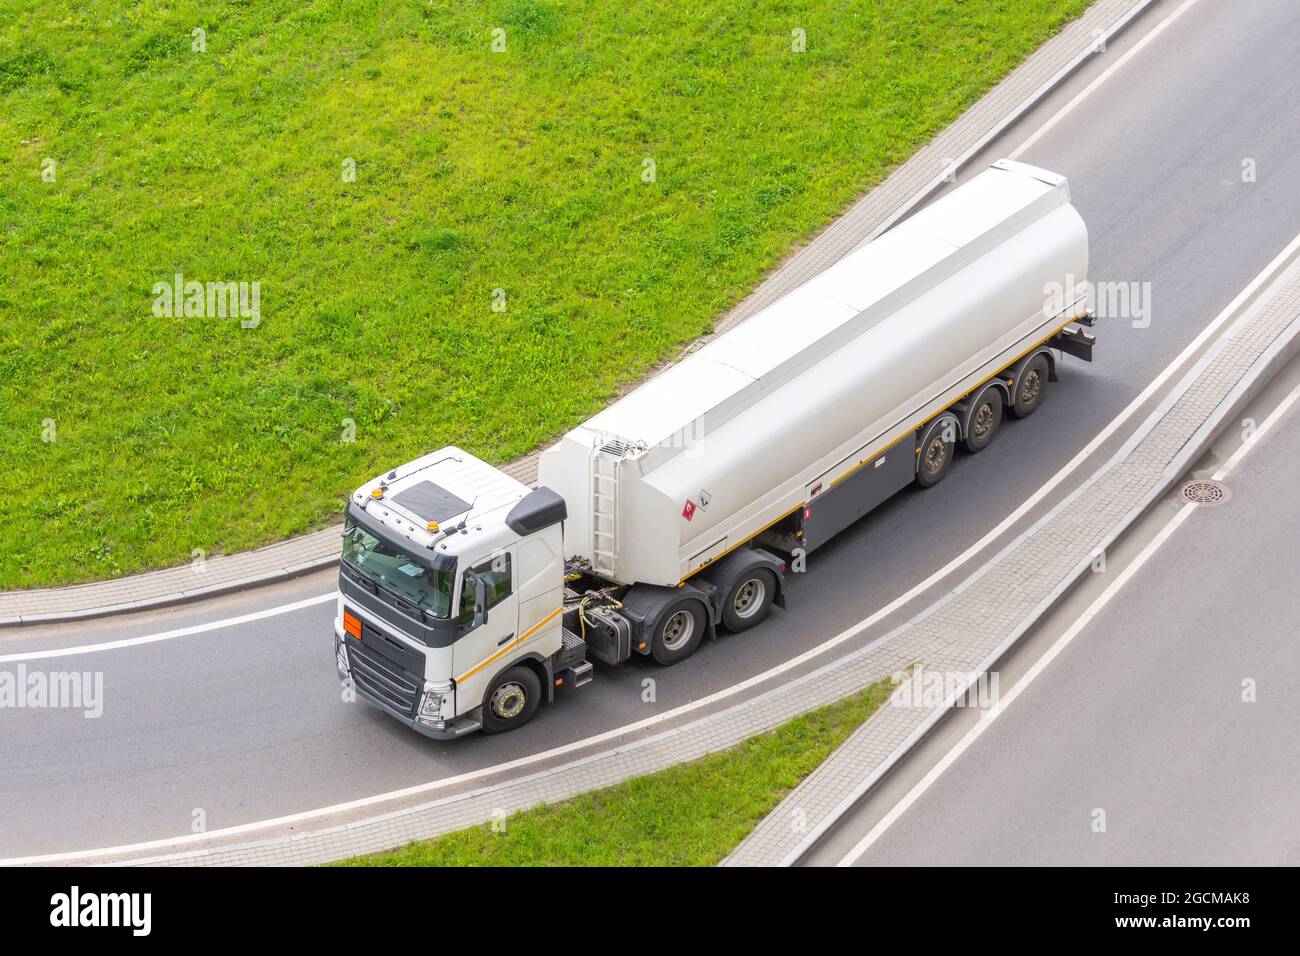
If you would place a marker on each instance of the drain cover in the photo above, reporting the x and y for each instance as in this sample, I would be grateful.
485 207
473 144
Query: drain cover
1205 492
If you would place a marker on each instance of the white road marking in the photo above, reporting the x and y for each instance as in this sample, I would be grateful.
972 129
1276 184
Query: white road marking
1034 137
176 843
1101 437
168 635
1074 629
842 637
1093 86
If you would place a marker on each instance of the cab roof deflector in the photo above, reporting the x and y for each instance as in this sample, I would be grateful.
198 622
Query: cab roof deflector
538 509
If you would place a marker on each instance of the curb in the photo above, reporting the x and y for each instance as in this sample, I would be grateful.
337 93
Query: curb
857 226
174 598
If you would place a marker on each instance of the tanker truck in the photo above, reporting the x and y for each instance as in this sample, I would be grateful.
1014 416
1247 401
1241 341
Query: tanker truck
467 599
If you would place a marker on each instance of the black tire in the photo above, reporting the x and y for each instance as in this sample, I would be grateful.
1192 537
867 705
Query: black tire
1030 386
938 445
500 701
749 599
983 419
677 632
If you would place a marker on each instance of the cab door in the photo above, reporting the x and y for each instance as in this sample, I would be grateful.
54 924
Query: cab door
482 650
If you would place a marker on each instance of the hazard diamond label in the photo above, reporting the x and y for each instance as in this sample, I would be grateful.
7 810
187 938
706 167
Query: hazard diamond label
688 510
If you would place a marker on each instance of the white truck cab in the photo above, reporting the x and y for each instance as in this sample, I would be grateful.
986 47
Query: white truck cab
451 589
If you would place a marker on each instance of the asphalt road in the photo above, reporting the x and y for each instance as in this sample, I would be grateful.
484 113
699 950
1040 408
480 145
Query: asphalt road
1145 716
246 723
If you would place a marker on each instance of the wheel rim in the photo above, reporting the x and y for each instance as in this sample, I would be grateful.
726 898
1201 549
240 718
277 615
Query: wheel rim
983 420
749 598
678 630
935 455
1032 385
509 700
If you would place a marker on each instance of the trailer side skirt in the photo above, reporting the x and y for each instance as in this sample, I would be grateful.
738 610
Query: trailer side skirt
829 512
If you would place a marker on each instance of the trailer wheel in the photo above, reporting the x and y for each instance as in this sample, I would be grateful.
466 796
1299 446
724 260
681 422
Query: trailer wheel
749 599
938 443
1030 386
983 421
677 632
511 700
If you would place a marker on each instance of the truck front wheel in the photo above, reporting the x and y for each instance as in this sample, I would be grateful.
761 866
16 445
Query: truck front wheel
511 701
677 632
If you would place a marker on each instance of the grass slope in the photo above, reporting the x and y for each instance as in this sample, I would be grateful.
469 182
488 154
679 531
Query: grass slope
690 815
475 170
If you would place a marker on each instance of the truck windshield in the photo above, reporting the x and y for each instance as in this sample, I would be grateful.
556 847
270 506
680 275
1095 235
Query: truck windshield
397 571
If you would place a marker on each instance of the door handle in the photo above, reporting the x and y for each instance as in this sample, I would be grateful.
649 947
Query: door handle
508 637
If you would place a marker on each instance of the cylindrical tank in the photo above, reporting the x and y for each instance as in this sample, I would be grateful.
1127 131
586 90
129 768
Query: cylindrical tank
717 447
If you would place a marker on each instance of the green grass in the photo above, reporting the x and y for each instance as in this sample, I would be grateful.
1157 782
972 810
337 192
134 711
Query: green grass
690 815
475 170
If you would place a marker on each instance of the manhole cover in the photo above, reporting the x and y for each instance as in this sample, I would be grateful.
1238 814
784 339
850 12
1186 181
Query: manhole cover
1205 492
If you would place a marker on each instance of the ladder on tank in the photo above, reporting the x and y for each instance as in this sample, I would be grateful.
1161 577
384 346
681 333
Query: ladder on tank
605 461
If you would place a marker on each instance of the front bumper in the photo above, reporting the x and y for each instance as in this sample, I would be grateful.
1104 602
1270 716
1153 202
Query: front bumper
449 729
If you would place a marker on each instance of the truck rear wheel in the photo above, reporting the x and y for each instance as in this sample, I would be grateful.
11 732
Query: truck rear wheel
983 421
677 632
1030 387
749 599
511 700
938 442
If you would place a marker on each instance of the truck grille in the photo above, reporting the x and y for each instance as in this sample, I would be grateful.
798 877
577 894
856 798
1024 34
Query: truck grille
382 677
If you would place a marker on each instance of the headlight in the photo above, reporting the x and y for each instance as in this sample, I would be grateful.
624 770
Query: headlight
435 695
341 659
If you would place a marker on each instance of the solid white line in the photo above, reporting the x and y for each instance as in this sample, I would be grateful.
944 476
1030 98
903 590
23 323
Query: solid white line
168 635
1042 130
848 634
843 636
1025 145
985 720
1245 447
1092 87
1000 127
820 649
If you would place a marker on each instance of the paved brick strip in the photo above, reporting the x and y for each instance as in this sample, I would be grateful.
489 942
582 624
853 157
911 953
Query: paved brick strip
873 213
984 616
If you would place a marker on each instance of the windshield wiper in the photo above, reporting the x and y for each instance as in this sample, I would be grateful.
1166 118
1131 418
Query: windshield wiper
357 575
403 603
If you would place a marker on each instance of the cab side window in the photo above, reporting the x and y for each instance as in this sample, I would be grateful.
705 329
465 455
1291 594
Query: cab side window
496 573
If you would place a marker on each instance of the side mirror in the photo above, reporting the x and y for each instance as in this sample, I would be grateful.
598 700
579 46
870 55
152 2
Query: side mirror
480 601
